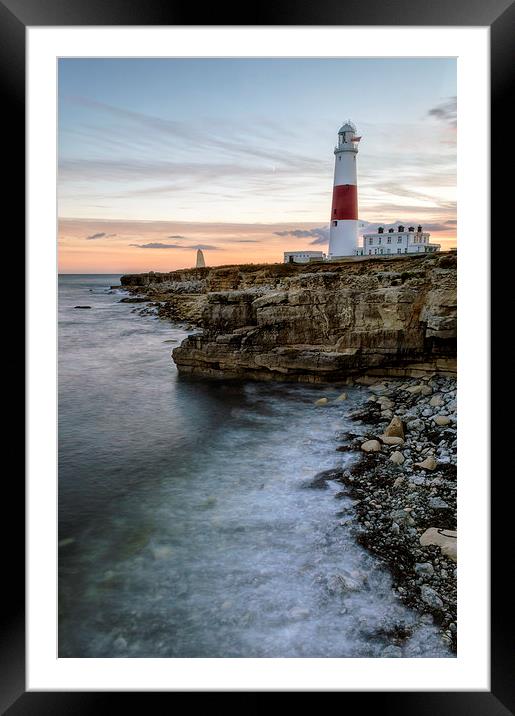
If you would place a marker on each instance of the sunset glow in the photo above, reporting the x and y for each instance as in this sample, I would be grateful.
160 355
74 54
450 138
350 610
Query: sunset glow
158 158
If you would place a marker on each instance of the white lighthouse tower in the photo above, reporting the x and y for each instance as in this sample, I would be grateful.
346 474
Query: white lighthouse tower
343 231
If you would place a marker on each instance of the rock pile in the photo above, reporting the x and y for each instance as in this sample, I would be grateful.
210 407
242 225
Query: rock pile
404 484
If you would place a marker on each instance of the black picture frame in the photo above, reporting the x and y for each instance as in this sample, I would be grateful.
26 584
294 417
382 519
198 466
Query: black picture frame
499 15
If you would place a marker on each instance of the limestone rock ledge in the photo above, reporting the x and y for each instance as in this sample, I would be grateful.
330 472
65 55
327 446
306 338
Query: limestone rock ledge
325 323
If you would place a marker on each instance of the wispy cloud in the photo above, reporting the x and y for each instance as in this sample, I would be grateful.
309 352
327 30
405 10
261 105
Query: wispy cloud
319 232
175 130
99 235
159 245
446 112
242 241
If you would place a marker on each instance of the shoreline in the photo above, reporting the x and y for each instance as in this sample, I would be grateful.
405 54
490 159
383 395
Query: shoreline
406 513
397 501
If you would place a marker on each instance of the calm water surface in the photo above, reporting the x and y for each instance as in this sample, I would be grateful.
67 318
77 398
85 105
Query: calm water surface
185 525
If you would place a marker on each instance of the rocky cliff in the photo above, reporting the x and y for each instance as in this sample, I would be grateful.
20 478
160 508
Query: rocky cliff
315 323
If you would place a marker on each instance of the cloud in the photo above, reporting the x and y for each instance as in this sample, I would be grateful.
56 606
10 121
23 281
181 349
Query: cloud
445 112
164 128
320 234
100 235
176 236
159 245
243 241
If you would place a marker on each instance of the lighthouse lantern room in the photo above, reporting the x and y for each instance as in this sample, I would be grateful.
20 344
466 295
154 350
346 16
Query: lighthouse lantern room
343 228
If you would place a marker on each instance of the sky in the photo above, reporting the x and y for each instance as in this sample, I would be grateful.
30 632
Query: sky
160 157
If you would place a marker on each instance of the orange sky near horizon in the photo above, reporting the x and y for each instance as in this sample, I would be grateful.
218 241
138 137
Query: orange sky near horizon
118 244
159 157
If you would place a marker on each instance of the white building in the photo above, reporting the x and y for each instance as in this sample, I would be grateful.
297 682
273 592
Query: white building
303 257
403 241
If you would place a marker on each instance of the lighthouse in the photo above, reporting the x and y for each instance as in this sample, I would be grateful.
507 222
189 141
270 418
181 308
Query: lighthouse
343 228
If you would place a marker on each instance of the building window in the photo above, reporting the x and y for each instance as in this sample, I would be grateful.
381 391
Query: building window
389 240
335 223
399 251
371 241
379 240
369 251
399 240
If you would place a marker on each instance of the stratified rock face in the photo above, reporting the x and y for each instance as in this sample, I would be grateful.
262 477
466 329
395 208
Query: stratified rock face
395 316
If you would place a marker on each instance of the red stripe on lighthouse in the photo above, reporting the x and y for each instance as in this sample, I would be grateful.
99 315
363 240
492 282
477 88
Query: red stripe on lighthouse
345 202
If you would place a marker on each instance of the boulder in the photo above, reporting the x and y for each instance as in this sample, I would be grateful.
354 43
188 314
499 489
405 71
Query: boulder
397 458
445 539
419 389
322 401
343 396
442 420
436 401
402 517
430 597
371 446
424 568
391 440
428 464
394 428
319 482
436 503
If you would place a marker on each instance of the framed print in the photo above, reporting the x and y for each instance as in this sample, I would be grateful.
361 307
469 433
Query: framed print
257 264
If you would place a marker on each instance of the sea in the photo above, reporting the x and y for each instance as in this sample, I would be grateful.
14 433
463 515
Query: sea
188 526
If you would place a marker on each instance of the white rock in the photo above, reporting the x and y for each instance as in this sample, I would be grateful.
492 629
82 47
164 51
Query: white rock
371 446
419 389
445 539
442 420
321 401
397 458
343 396
436 401
428 464
391 440
425 390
